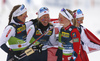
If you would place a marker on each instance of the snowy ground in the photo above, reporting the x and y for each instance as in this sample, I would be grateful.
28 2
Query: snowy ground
91 20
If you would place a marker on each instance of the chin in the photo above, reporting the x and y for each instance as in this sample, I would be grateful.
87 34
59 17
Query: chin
45 24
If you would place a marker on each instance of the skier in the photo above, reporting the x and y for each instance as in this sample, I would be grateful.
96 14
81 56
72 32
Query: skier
89 41
69 38
48 40
15 33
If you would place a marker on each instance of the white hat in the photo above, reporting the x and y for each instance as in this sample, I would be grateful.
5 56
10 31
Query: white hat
66 14
78 14
42 11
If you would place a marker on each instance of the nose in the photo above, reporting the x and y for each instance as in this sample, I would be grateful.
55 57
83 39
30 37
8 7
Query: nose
25 16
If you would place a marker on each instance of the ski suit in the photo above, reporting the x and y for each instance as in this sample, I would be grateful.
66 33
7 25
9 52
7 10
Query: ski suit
86 44
69 43
15 34
48 40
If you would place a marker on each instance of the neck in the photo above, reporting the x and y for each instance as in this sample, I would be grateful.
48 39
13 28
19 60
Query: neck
18 21
78 25
42 27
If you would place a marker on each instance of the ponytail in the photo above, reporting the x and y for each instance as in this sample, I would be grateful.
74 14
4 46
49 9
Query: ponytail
13 10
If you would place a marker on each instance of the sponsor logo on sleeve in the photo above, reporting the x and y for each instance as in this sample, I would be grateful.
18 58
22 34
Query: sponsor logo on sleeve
76 40
29 30
74 35
8 32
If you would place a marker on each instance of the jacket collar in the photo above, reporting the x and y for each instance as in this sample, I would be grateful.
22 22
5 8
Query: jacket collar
66 28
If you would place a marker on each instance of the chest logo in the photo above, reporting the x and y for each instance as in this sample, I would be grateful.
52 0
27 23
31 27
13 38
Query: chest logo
64 34
19 45
49 33
20 29
38 32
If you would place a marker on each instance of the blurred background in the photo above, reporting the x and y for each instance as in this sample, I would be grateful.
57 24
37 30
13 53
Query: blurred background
90 8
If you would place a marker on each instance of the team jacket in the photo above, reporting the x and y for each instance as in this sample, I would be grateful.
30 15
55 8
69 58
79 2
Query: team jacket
48 40
15 34
89 41
69 39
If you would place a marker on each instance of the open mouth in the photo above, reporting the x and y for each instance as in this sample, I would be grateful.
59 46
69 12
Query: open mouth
45 22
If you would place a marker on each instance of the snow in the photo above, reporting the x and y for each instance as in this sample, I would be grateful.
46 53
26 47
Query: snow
91 13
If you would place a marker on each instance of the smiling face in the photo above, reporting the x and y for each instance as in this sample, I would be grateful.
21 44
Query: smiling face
63 20
22 17
44 19
80 20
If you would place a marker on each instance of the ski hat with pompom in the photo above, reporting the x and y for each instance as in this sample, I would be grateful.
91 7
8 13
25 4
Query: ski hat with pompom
78 14
42 11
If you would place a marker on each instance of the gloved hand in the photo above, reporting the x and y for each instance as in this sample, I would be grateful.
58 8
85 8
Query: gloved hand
10 52
74 56
13 59
15 55
39 47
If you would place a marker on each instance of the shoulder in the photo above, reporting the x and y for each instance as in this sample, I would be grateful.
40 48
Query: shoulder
34 20
10 27
74 29
31 27
9 30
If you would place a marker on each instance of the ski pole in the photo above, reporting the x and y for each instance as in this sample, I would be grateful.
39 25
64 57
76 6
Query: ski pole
28 51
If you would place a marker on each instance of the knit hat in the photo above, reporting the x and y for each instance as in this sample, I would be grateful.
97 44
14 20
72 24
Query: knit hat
78 14
66 14
42 11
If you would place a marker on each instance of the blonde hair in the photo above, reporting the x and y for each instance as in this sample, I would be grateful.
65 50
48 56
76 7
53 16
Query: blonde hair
71 12
75 19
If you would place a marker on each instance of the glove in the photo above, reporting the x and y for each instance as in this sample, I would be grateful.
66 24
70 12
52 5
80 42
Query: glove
39 47
15 55
74 56
9 51
13 59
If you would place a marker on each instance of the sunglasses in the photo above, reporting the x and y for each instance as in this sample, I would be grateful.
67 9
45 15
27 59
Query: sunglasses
22 7
64 10
43 9
79 11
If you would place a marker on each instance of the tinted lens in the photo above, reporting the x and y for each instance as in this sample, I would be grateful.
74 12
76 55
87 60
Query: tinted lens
79 11
43 9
